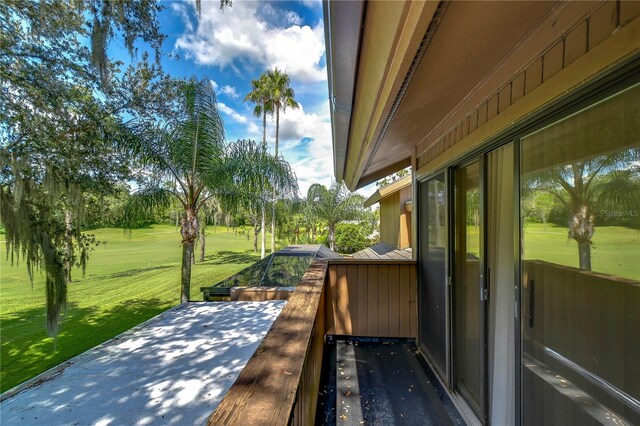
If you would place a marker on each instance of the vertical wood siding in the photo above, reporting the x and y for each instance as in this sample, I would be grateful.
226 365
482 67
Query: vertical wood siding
372 299
581 33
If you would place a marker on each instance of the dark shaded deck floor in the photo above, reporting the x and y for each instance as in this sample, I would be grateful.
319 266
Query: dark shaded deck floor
380 382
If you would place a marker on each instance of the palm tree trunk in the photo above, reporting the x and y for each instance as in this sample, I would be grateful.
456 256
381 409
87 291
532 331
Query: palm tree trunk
255 233
189 232
203 242
584 251
277 127
264 127
273 211
581 229
264 237
332 237
187 252
273 230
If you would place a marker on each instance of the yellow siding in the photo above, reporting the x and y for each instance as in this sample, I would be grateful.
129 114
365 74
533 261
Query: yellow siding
390 220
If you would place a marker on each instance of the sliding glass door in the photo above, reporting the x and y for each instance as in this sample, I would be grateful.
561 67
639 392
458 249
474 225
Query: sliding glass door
469 295
580 298
432 299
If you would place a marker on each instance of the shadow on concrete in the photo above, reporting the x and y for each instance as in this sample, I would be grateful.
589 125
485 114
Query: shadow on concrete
174 369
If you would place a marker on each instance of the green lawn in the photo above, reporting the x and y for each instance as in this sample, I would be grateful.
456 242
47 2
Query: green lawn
615 250
127 281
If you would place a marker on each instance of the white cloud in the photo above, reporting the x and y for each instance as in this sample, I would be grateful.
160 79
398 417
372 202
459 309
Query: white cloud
235 115
251 129
246 35
312 3
305 141
275 16
181 9
214 85
229 91
293 18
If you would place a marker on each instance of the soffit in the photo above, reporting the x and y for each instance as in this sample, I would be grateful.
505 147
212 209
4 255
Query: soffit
391 37
471 39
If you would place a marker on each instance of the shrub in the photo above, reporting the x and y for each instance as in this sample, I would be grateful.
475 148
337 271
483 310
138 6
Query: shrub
351 237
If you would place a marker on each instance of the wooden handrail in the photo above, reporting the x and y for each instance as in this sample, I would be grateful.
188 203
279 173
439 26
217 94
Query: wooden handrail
371 262
266 391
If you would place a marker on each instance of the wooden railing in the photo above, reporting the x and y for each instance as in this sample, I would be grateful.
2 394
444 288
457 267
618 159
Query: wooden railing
280 383
373 298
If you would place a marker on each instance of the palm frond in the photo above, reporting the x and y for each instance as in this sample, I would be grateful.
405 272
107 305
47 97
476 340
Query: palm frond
145 203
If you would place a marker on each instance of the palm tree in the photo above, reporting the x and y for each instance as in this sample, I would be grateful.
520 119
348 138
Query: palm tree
183 157
281 97
260 95
584 187
257 174
334 205
206 214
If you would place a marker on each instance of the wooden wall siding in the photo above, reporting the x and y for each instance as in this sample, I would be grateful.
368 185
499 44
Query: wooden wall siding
372 299
592 319
279 385
390 219
580 38
404 222
404 237
406 194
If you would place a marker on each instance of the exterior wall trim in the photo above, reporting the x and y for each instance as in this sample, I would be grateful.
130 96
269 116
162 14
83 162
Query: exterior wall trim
621 47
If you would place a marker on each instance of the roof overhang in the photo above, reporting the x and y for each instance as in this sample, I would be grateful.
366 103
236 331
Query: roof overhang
416 63
368 55
387 190
343 24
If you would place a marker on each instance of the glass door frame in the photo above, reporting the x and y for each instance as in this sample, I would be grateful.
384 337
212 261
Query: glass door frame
624 75
445 376
483 296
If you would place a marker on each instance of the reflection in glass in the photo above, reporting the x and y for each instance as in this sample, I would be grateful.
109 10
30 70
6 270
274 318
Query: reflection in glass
468 308
580 211
433 272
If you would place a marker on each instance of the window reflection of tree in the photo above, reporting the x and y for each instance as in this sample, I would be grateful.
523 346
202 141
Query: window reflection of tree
589 189
589 163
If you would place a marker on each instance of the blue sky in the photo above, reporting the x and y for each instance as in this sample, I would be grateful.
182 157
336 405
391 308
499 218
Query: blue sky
233 46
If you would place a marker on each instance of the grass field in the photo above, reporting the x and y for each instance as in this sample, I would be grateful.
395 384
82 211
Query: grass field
127 281
615 250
